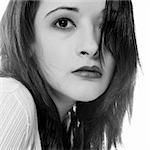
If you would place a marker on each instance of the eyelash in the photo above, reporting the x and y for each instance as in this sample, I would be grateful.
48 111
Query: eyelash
67 21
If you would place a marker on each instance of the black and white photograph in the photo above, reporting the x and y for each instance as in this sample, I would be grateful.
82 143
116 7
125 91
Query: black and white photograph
74 75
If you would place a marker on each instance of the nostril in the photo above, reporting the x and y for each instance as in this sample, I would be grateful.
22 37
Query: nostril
96 53
84 53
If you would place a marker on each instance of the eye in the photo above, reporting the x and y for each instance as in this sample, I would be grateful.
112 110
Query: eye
64 23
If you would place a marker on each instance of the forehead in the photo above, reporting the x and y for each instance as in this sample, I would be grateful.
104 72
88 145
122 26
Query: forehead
87 6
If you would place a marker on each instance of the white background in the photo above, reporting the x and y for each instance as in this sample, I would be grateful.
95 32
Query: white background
136 136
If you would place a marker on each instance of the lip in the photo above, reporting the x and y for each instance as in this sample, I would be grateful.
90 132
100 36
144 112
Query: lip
91 72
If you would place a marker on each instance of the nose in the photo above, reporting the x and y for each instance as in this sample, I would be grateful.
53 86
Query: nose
89 44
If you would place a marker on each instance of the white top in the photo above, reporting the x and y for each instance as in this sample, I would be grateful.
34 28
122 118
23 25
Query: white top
18 117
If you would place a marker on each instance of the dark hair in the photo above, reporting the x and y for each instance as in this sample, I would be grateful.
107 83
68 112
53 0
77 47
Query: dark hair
101 120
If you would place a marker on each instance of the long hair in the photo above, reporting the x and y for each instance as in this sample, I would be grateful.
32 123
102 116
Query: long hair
101 119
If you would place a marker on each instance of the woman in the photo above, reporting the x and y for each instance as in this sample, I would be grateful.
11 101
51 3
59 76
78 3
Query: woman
67 73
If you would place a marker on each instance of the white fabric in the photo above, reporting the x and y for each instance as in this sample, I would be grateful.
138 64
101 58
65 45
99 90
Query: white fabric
18 117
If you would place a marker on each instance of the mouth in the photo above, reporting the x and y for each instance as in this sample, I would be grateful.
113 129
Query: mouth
88 72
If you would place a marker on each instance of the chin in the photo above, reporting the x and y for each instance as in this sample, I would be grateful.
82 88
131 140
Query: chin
87 95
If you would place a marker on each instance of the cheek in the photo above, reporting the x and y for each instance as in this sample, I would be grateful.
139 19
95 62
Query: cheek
56 51
110 65
51 55
55 60
108 71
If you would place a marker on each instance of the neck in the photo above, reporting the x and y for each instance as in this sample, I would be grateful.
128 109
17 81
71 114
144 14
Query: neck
63 109
62 102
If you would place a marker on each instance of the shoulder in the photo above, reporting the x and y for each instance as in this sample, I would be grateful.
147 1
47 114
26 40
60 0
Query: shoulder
17 114
14 92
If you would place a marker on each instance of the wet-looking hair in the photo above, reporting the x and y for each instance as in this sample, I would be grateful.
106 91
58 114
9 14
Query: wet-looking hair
101 120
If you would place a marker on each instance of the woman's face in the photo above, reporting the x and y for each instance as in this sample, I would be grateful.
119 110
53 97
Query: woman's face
67 35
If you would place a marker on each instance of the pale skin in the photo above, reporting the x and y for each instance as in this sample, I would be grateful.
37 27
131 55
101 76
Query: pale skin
67 37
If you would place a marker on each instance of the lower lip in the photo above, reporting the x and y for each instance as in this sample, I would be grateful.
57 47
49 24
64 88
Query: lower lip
88 75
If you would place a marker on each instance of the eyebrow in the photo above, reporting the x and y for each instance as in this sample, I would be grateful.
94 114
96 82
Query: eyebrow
74 9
